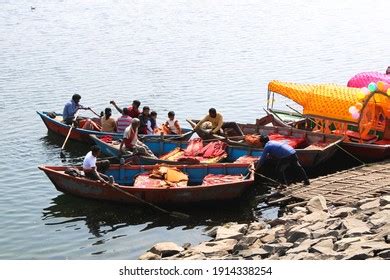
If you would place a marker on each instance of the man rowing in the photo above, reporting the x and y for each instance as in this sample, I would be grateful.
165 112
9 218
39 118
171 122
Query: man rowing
71 108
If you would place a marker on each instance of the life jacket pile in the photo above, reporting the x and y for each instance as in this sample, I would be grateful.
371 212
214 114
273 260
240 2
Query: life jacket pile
295 142
213 149
162 177
196 153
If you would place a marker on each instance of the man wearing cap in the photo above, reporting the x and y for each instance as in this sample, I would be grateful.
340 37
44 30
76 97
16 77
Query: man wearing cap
286 157
388 71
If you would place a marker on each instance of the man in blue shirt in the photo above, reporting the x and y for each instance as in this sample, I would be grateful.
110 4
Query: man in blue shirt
286 158
71 108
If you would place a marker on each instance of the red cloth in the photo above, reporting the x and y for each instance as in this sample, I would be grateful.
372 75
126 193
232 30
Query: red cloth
382 142
213 149
106 139
294 142
354 135
194 147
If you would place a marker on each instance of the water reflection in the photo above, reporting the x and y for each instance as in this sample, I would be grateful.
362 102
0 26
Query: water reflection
102 217
74 151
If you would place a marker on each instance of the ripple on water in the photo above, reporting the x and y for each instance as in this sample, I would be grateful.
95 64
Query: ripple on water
182 56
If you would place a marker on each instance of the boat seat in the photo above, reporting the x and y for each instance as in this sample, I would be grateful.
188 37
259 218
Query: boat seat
383 142
355 136
74 172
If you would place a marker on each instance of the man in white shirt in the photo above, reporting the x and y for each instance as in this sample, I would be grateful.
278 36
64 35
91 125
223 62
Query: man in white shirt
92 168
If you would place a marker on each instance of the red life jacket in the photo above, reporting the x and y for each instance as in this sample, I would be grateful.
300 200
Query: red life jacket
194 147
214 149
128 141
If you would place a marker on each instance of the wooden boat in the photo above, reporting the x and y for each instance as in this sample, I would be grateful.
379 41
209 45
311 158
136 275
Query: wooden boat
366 137
238 130
57 126
319 147
125 175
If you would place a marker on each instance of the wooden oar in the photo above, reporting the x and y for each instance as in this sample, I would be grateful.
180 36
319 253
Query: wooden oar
179 137
94 112
62 154
170 213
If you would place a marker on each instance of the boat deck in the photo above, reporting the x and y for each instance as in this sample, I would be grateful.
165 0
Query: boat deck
345 187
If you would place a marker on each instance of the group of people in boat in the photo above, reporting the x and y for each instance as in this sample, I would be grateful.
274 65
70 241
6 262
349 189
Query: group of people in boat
132 122
147 119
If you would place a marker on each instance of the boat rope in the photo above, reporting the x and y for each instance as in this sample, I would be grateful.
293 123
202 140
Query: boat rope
348 153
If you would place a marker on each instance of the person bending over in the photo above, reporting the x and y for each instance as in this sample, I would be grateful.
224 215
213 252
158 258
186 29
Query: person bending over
215 119
173 124
286 158
131 143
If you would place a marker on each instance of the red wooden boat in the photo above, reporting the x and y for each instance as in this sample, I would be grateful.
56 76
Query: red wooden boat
82 135
125 176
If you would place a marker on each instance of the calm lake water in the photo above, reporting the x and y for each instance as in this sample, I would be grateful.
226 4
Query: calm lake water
177 55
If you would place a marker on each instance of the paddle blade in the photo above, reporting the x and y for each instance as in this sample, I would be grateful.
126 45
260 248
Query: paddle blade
62 154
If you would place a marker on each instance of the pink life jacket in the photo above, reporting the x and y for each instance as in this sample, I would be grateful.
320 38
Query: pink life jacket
214 149
194 147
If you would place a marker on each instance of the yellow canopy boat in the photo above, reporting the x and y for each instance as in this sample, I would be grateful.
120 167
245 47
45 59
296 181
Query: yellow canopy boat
361 115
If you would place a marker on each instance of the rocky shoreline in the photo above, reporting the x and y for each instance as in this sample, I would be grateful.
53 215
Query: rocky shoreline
314 232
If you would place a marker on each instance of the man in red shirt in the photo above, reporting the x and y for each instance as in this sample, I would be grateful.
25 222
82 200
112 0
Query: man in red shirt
133 109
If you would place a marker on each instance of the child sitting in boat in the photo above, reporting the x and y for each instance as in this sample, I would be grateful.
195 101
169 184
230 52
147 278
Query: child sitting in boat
151 125
172 125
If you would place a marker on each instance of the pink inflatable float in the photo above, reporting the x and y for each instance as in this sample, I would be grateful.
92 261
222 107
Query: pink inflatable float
364 79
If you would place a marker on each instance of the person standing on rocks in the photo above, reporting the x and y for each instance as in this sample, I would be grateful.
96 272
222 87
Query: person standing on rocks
286 157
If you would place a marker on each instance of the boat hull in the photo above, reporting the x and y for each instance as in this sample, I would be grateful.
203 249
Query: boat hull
82 187
367 152
364 151
307 158
82 135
